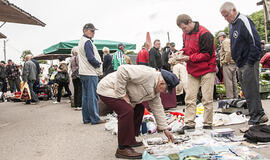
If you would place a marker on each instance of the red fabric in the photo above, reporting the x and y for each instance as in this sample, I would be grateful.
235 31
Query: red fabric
143 56
198 63
177 114
168 100
129 119
146 112
148 39
265 61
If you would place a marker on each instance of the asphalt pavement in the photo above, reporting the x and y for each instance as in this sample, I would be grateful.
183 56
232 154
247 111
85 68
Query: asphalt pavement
48 131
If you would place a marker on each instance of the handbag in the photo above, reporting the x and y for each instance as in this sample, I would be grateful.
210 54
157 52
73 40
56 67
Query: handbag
61 77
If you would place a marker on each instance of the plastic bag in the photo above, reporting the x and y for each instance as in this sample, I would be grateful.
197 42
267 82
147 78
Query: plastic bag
25 93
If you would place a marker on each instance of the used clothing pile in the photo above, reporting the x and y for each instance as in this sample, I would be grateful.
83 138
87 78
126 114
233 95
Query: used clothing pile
200 146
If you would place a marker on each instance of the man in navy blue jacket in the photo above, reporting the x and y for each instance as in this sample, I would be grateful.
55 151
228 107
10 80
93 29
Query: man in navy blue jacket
245 51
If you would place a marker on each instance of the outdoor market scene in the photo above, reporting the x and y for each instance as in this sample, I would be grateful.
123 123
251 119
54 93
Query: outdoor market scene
150 80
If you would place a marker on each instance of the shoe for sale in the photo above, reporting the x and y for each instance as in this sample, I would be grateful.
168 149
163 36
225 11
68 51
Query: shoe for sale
182 130
128 153
55 102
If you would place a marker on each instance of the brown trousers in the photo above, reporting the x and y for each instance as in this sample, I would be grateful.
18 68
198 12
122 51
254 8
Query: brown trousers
129 119
230 81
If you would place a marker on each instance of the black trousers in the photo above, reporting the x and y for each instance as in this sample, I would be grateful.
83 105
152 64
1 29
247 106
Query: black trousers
77 92
60 88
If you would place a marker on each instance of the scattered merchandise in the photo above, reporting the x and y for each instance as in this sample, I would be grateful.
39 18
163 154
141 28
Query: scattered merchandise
224 132
111 124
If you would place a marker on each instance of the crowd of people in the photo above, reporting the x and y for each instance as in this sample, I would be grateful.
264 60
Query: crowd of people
125 87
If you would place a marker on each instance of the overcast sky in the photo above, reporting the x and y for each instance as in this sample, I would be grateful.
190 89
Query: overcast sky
119 20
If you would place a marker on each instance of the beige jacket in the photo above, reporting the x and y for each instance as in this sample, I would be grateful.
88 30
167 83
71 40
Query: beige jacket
139 83
225 52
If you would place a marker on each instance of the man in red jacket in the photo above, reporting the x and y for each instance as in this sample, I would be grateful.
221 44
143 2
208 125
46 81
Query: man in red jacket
143 55
199 53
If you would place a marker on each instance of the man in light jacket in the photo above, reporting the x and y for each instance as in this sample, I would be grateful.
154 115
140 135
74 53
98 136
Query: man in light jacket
89 69
29 76
124 91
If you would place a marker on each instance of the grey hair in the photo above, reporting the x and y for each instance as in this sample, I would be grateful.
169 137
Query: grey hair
75 50
227 6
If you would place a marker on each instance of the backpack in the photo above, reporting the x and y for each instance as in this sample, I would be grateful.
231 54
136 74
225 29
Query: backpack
258 133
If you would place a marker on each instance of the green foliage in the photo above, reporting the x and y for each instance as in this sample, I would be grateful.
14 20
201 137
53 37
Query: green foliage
258 19
26 52
42 61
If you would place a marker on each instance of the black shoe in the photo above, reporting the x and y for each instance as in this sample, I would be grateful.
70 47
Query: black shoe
182 130
207 127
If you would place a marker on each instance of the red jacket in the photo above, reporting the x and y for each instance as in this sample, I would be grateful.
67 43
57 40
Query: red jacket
265 61
143 57
199 45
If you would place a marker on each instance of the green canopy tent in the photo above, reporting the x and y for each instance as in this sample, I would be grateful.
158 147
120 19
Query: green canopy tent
65 47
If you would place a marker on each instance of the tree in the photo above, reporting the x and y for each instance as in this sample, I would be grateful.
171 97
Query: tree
26 52
258 19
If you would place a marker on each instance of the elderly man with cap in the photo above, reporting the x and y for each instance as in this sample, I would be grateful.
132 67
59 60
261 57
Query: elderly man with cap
228 66
90 68
124 91
118 56
246 50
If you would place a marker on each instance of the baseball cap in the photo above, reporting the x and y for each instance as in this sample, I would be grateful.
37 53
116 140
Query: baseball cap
170 79
89 26
221 34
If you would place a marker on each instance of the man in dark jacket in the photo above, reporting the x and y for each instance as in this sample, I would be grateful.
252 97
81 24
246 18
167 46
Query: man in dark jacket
36 84
199 53
13 76
245 51
155 56
167 52
3 76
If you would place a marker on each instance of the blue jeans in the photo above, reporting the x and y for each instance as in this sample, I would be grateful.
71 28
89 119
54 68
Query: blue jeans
89 99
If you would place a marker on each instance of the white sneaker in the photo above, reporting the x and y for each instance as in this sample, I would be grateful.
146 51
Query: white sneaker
55 102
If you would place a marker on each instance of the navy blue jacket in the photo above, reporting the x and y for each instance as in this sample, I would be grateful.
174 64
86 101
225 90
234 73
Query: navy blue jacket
89 51
245 41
